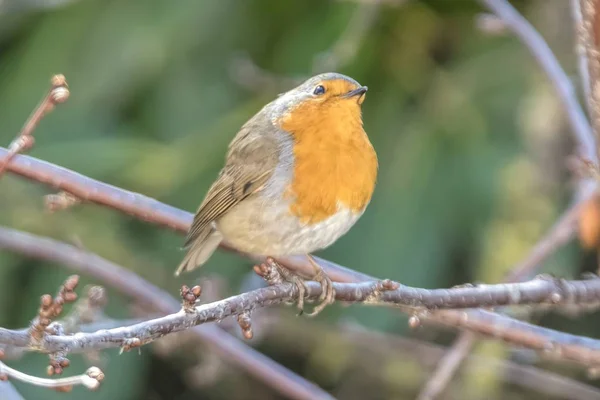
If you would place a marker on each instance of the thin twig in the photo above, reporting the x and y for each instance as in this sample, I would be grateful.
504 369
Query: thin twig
91 379
58 93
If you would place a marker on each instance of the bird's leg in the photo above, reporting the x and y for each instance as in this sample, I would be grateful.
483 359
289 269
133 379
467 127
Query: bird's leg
289 276
327 293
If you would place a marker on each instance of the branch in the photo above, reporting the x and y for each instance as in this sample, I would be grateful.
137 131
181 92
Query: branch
547 60
574 348
148 209
133 286
586 23
571 347
91 379
59 93
582 44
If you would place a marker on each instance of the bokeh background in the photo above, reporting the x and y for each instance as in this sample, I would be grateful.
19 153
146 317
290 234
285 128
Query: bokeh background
472 146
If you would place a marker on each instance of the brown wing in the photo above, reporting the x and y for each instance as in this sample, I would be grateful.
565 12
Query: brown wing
251 160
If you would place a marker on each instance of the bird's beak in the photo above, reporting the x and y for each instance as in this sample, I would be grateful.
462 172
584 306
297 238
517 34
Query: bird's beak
357 92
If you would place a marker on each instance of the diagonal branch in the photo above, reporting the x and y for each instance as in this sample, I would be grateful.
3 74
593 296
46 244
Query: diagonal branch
147 209
538 47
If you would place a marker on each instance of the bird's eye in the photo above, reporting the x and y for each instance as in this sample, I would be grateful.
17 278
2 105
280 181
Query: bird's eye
319 90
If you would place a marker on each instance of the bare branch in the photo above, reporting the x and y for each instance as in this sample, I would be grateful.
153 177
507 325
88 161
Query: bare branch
91 379
132 285
571 347
147 209
548 62
59 93
579 349
586 23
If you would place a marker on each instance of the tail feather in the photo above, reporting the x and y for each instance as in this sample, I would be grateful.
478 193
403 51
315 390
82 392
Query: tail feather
200 251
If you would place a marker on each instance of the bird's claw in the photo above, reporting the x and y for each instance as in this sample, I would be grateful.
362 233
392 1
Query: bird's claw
327 295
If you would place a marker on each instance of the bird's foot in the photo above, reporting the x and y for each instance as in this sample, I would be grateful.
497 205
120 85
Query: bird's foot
294 279
327 293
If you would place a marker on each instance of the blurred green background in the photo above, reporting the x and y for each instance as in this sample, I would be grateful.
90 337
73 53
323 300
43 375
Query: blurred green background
472 147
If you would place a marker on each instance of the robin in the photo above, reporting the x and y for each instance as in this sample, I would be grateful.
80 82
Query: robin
297 176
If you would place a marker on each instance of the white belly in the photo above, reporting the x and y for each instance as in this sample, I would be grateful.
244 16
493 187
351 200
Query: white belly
260 227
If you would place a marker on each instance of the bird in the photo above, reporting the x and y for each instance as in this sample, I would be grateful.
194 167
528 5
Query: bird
297 176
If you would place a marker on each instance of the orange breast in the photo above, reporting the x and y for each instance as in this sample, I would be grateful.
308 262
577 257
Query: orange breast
335 163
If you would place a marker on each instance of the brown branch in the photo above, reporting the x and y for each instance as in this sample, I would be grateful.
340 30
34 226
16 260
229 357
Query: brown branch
587 38
133 286
543 290
59 93
580 349
547 60
569 347
147 209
